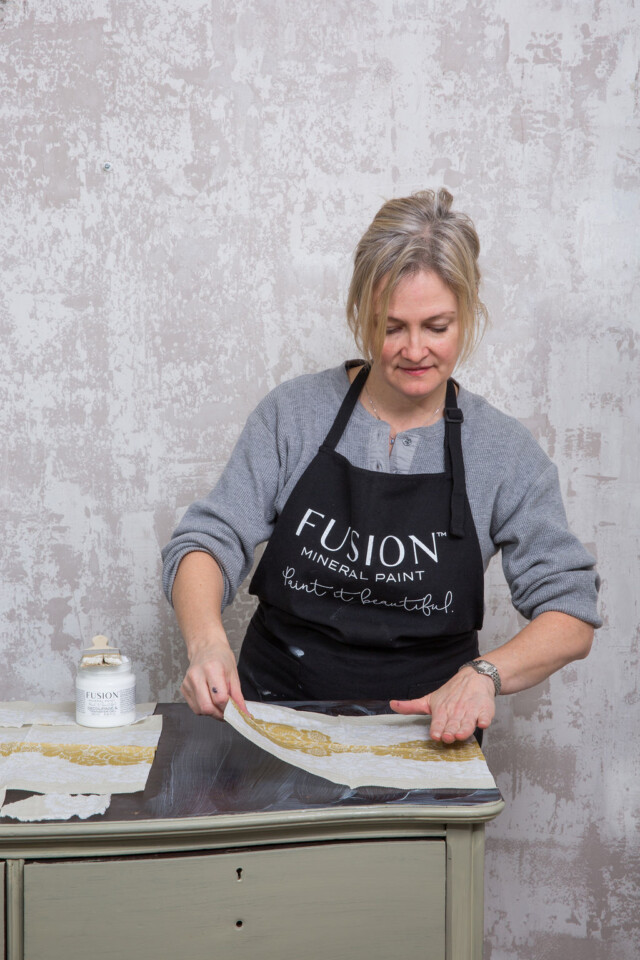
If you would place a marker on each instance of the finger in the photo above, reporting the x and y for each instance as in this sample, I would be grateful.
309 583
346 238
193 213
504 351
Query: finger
447 723
458 727
206 692
215 712
219 695
199 699
235 693
421 706
485 716
453 731
441 729
475 715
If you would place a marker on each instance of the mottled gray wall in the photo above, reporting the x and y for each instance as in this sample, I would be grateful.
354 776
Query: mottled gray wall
145 309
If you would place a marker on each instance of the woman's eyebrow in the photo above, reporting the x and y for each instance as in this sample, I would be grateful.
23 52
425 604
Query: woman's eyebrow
444 315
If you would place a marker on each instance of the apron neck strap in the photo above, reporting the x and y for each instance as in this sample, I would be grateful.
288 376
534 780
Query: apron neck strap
346 409
453 420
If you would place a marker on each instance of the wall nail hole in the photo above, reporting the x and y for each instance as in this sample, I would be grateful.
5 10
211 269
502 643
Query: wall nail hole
239 872
238 923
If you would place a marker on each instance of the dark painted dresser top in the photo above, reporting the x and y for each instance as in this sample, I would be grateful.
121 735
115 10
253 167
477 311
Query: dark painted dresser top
205 768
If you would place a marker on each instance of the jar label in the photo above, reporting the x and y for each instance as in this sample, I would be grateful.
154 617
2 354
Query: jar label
105 703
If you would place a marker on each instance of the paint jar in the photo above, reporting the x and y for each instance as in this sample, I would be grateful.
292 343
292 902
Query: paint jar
106 695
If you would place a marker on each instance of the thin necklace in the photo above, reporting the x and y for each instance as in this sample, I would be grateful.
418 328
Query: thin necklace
392 436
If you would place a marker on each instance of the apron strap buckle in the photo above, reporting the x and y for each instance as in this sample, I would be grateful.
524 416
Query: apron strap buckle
453 415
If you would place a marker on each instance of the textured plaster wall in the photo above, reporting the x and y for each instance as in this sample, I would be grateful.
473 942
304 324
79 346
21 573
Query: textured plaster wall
145 309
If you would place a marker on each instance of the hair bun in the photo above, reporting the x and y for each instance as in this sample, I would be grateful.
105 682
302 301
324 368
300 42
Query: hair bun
444 201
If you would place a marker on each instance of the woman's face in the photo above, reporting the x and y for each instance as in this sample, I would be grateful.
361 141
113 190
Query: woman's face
422 341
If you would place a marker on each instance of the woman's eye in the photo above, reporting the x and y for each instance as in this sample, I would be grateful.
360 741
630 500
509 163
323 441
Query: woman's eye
439 329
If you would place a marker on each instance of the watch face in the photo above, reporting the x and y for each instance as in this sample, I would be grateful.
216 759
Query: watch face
489 670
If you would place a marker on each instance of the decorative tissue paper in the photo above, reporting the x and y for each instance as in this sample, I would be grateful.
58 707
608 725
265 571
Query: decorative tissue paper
381 751
56 806
43 749
19 713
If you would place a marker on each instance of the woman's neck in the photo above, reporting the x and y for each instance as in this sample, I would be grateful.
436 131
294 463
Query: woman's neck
401 411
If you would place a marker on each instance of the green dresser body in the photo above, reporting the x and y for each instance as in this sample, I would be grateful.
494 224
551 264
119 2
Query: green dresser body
202 865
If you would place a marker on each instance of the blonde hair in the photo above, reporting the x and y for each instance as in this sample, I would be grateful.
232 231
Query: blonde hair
407 235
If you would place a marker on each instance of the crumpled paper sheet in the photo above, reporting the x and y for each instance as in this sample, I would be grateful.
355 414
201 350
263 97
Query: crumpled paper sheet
55 806
380 751
18 713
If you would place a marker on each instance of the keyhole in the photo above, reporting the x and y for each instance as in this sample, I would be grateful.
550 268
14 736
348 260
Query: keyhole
239 872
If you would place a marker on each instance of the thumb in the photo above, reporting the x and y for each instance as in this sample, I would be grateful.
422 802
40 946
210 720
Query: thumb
421 705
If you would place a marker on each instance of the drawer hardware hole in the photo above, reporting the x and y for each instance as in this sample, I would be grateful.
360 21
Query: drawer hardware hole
239 872
238 924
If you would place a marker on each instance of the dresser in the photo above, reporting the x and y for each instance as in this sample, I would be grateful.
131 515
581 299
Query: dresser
232 853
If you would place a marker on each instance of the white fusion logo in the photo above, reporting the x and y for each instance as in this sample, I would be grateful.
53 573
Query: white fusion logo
390 550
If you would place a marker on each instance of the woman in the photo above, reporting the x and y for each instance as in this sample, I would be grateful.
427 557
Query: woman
384 488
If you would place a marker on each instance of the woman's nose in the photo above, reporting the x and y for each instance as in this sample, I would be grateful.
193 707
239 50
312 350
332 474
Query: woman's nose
416 345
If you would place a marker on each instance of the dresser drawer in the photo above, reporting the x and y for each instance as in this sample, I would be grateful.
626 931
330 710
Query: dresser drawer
329 901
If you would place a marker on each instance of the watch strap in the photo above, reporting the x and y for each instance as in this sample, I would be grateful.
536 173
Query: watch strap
486 669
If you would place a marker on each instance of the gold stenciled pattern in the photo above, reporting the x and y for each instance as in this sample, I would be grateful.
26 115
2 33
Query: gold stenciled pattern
321 745
87 755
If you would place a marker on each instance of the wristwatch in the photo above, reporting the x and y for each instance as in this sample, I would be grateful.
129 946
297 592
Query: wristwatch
488 670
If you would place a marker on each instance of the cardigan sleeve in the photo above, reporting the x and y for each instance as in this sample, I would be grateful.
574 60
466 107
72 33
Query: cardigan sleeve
545 565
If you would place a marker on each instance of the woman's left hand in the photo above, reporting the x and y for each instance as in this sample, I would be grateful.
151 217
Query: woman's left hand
467 701
464 702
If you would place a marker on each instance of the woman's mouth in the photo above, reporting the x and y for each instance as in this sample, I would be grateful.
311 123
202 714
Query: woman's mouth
414 371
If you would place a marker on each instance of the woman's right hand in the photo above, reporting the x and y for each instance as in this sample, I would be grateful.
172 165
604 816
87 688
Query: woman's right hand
212 679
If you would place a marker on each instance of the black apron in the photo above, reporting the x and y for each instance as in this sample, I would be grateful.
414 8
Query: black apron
371 586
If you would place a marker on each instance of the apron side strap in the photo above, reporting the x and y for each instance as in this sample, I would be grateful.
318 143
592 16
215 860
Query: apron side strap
346 409
454 418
